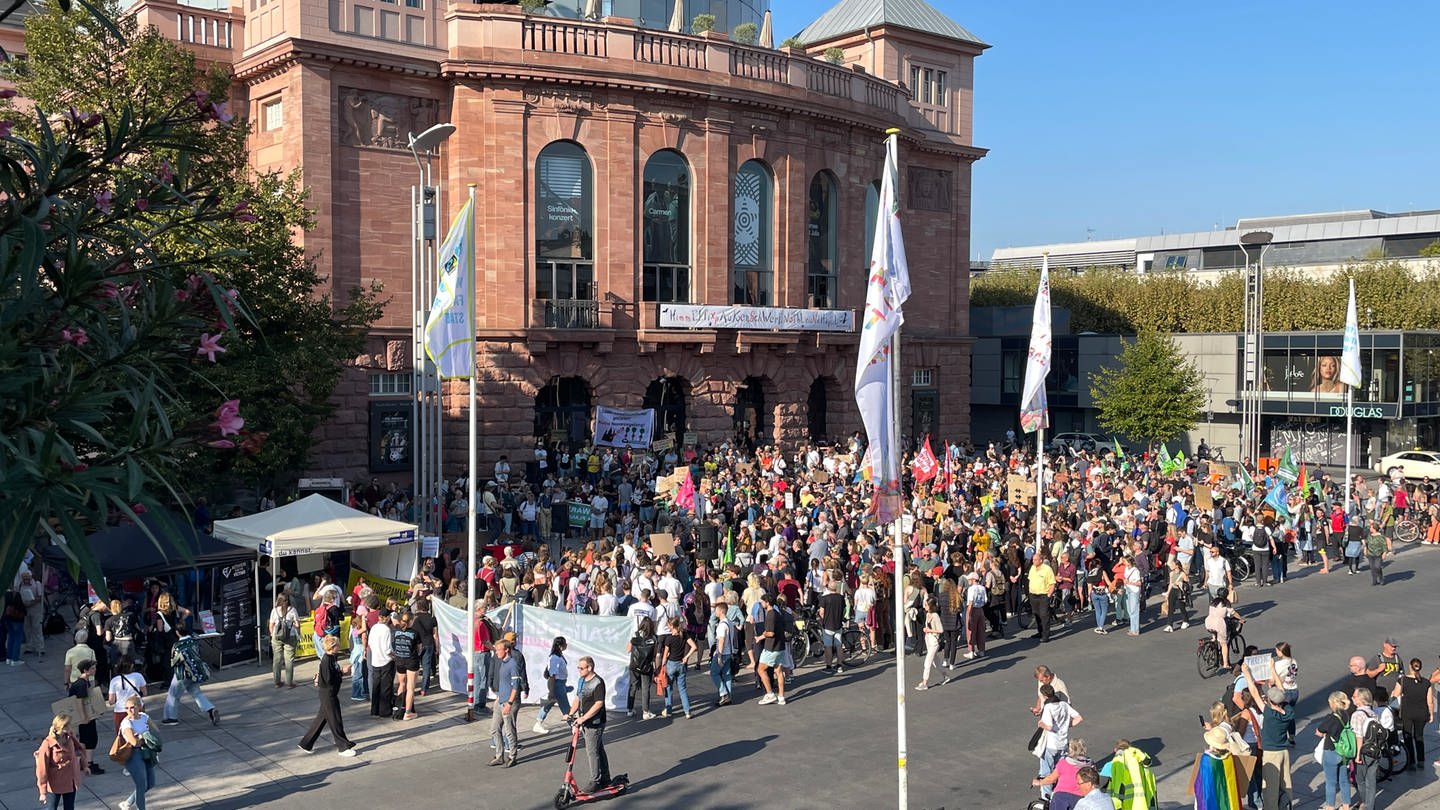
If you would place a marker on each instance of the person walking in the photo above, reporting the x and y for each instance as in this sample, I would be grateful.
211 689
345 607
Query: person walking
772 652
405 649
331 675
86 729
1177 601
379 653
60 764
142 762
1417 710
123 686
1377 546
507 685
721 660
675 650
642 650
1055 721
589 714
284 636
557 693
977 598
188 672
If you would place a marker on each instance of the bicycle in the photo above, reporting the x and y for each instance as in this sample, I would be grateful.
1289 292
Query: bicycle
855 646
806 640
1208 660
1406 530
1394 760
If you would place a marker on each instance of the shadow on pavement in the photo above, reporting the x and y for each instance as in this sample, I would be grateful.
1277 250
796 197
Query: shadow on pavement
275 790
726 754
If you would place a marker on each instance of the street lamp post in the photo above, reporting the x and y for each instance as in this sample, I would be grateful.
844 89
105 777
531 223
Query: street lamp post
1252 389
425 426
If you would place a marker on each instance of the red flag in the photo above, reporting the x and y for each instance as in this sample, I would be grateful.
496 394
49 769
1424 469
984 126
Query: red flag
925 466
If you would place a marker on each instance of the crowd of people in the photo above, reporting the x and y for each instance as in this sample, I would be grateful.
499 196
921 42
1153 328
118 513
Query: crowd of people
772 540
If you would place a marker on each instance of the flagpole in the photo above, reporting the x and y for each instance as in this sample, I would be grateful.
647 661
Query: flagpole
1349 442
473 465
1040 442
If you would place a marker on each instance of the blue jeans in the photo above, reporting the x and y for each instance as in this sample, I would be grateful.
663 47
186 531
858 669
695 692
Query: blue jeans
359 672
1292 697
1047 764
1101 601
675 677
1132 607
142 773
720 674
482 678
1335 774
14 639
427 665
178 686
555 696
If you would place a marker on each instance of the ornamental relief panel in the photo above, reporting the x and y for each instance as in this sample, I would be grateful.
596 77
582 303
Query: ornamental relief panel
383 120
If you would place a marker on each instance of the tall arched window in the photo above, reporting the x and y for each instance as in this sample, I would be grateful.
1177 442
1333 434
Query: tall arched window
564 226
820 233
665 218
752 268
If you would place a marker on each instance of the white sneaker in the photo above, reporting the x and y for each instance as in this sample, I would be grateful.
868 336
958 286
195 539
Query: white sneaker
1168 629
922 687
647 716
539 728
780 701
839 670
126 804
1184 625
970 655
767 700
347 753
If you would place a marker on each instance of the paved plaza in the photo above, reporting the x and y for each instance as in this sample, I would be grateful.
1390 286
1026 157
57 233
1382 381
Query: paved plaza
832 746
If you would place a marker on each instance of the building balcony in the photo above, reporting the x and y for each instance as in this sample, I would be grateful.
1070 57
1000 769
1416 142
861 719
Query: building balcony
569 314
487 39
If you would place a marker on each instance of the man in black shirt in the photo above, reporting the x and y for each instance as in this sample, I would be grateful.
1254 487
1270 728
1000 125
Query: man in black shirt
772 651
832 621
1358 678
589 712
1386 669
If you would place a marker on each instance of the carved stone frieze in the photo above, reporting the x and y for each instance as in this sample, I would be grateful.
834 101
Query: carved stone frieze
383 120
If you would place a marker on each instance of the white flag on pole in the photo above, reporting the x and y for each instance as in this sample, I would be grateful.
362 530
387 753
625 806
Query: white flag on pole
450 328
888 287
1034 411
1350 348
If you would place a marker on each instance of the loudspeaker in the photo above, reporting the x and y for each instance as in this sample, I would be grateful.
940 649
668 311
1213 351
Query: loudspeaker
708 541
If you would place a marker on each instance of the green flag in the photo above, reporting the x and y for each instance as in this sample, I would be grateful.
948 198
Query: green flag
1179 460
729 547
1119 451
1287 471
1166 463
1247 484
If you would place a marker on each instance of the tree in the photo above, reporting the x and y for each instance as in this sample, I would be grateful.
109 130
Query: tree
101 324
1155 394
291 351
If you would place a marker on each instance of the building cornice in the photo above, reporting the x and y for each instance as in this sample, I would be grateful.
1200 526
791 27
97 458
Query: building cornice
279 56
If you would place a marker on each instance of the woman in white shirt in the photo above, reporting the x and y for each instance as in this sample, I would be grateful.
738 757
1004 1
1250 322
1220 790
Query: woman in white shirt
142 763
1287 677
557 672
124 686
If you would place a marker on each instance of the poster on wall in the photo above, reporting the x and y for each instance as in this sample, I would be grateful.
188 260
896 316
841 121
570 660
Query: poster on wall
1315 442
233 599
1304 374
624 428
390 436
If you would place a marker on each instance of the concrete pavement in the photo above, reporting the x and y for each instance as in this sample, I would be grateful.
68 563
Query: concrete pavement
831 746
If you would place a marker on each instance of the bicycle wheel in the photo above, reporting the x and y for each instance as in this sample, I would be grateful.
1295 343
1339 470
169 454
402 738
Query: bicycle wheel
1237 646
1025 616
1406 531
1240 567
1207 659
850 647
799 648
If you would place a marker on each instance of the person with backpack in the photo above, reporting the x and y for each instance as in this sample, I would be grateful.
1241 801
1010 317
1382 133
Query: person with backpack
1336 749
642 649
189 671
284 636
1371 736
327 617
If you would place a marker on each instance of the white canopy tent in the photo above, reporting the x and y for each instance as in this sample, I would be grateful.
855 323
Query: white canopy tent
317 524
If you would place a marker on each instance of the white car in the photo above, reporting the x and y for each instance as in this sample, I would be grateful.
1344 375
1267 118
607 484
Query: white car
1088 442
1411 463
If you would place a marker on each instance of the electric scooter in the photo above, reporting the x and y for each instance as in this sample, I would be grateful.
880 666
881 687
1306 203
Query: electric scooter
570 792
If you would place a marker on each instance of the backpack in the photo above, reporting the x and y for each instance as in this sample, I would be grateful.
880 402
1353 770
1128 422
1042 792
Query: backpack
642 655
1345 746
1372 745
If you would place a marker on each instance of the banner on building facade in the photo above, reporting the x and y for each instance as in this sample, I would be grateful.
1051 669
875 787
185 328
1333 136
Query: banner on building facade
621 428
698 316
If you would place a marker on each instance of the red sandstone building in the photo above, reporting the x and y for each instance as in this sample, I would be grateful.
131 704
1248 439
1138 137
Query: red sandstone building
621 170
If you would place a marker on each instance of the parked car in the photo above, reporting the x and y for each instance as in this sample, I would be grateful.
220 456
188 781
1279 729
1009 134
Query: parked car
1080 441
1411 463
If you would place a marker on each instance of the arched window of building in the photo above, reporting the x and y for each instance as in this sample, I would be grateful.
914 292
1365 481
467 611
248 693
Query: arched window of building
820 233
665 228
872 209
752 266
564 233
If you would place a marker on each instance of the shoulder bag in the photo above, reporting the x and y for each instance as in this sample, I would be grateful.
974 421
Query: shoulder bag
121 750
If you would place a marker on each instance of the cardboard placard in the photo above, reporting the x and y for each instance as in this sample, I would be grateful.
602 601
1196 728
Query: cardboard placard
691 438
1019 487
705 484
1259 666
925 532
820 477
662 543
942 508
745 467
661 445
1204 499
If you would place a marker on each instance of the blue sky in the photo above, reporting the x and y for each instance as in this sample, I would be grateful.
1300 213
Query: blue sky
1107 119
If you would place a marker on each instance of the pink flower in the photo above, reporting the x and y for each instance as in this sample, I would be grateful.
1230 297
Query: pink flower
137 508
222 444
142 204
209 345
230 296
242 212
105 201
76 336
5 128
166 174
80 466
81 121
182 296
227 418
7 93
107 289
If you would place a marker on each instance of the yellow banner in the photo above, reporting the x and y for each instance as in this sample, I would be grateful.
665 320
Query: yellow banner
306 647
383 588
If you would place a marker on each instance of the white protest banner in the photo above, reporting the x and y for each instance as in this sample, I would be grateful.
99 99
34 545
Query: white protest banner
615 427
1259 666
603 638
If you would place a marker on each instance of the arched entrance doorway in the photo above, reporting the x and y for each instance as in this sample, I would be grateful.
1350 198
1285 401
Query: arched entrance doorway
668 395
562 411
816 406
750 421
